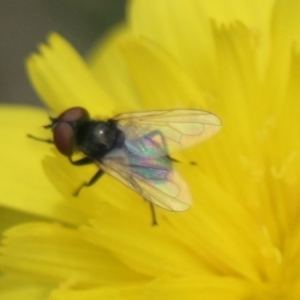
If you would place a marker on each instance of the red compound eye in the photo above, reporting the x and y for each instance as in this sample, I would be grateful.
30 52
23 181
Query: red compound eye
63 137
64 131
73 114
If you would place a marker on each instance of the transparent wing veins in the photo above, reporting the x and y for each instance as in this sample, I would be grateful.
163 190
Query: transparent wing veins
181 128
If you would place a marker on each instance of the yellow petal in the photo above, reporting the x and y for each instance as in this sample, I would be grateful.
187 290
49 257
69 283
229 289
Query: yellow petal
250 12
159 80
12 217
122 292
238 85
110 68
14 287
202 287
285 35
190 23
212 288
53 254
183 29
63 80
127 66
137 246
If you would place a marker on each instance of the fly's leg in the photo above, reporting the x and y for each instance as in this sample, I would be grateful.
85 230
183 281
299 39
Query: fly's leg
173 159
140 191
48 141
153 215
93 180
82 162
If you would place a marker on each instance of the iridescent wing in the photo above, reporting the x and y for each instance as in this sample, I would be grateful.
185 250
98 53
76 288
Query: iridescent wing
150 173
181 128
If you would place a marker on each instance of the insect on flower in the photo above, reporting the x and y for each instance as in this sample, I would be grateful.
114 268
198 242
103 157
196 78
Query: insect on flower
134 148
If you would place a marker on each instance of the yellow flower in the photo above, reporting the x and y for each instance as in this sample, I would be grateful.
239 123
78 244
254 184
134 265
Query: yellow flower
240 240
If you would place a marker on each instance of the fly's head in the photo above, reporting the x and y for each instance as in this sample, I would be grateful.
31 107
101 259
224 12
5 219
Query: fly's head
65 128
